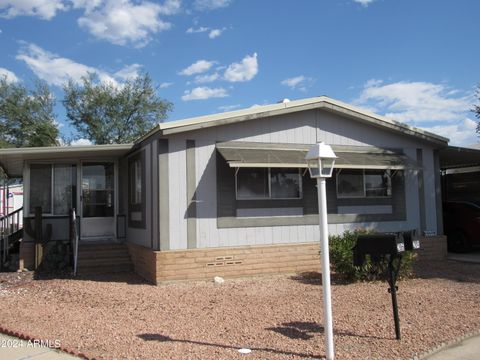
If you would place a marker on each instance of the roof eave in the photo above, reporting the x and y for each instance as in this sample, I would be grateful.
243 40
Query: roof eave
281 109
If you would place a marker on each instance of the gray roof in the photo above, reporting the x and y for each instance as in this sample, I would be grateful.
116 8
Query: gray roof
322 102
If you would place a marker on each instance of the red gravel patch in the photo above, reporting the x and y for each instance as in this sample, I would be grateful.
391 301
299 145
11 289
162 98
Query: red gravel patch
121 317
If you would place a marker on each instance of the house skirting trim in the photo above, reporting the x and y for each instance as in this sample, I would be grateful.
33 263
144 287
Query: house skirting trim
228 262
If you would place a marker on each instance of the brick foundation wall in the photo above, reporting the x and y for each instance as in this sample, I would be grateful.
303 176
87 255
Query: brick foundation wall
228 262
27 256
432 248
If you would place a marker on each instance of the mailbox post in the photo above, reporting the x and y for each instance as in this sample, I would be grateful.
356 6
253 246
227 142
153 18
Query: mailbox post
320 159
391 246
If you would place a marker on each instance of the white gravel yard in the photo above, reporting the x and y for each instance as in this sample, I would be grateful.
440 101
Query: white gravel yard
121 317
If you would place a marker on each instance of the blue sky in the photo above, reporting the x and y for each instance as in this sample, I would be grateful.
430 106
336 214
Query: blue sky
414 61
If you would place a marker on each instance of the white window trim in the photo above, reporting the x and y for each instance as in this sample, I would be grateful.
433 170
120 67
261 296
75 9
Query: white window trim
364 196
269 187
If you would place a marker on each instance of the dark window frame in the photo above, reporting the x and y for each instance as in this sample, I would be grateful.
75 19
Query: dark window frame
270 197
139 207
364 173
52 165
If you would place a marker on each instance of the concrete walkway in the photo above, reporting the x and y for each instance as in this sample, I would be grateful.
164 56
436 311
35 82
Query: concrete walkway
470 257
12 348
468 349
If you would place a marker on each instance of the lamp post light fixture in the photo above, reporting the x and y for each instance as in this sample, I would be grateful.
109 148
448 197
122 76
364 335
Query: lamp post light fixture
320 160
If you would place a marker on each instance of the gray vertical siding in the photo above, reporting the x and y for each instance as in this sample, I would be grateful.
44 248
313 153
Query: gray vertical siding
292 128
430 190
421 190
191 197
178 193
163 181
438 192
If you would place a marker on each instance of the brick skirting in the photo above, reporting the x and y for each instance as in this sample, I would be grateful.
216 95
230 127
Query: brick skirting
228 262
433 248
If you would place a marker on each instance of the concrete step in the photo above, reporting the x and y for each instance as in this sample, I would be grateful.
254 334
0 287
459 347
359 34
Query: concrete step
103 254
104 269
105 261
103 258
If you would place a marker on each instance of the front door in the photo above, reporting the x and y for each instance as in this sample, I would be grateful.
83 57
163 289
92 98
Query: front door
97 200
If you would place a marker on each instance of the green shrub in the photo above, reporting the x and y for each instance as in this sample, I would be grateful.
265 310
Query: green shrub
341 260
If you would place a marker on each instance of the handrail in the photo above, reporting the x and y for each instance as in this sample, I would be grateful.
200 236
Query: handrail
11 214
9 224
74 240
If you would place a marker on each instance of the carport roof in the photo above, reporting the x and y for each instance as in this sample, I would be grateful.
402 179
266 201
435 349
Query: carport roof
12 159
453 157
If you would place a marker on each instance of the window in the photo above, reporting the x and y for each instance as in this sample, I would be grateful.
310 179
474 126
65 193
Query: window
136 190
364 183
136 182
268 183
53 184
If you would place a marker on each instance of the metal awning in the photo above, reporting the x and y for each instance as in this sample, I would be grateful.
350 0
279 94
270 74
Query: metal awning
248 154
12 159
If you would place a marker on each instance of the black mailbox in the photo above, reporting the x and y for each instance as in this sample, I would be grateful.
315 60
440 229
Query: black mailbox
388 246
377 245
411 240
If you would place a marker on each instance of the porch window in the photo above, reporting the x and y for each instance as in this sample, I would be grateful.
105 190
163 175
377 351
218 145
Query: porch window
363 183
268 183
53 188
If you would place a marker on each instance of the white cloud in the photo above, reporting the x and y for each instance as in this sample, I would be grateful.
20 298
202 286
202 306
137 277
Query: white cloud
123 22
165 85
434 107
44 9
460 133
203 93
56 70
214 33
225 108
242 71
81 142
201 29
414 102
9 76
364 2
300 82
211 4
202 79
197 67
129 72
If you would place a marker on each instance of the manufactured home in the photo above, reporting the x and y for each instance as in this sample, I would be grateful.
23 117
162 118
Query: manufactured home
230 194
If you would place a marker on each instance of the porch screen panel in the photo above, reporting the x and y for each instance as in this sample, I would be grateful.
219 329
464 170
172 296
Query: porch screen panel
64 193
41 187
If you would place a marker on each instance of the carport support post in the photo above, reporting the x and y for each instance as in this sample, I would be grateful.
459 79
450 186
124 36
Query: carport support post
327 297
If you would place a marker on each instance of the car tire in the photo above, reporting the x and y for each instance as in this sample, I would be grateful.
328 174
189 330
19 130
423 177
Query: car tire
458 242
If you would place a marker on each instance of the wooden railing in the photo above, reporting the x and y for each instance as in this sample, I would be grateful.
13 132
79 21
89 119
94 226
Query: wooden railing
9 224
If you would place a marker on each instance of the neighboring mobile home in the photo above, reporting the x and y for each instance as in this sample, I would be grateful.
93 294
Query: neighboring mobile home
229 194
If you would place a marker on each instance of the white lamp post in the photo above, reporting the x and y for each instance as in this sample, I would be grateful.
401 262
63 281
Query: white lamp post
320 159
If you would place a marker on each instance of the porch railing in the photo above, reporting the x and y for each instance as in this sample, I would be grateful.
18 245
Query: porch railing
9 225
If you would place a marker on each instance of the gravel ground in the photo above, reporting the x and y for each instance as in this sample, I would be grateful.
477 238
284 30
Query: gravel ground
121 317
